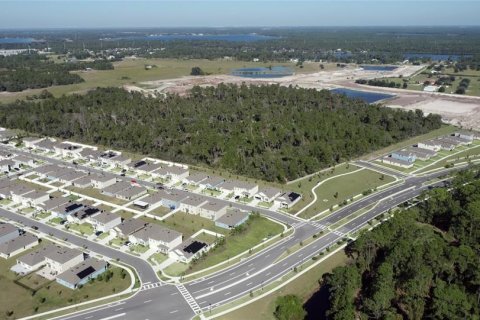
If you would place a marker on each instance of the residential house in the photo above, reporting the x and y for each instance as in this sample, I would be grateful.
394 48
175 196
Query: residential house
64 210
446 144
128 227
212 182
192 203
397 162
52 203
35 259
156 236
83 182
17 245
404 156
268 194
174 173
61 259
17 191
23 160
34 198
212 210
45 145
131 193
288 199
101 181
232 219
173 198
6 165
81 273
71 176
421 154
30 142
151 201
188 250
430 145
195 179
239 188
105 221
81 215
66 149
8 232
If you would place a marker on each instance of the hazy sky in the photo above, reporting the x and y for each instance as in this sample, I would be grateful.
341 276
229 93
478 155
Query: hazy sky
119 13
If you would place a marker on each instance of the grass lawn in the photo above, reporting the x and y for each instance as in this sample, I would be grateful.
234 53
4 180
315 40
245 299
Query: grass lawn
84 228
258 228
470 153
305 185
160 211
56 220
176 269
104 207
21 301
5 202
117 242
139 249
157 258
265 204
43 215
125 214
205 237
28 210
32 176
187 224
304 287
212 193
346 186
103 235
73 197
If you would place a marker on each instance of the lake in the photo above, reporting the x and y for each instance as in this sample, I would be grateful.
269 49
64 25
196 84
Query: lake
435 57
252 37
368 97
262 72
16 40
378 68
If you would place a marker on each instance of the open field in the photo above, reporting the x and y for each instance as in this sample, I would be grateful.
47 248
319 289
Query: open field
304 287
21 302
256 231
341 189
132 71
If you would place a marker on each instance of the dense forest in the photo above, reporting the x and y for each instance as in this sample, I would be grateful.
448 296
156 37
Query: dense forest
270 132
32 71
422 264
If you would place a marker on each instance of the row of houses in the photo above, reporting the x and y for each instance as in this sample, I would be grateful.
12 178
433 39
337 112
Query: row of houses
21 193
70 267
427 149
10 161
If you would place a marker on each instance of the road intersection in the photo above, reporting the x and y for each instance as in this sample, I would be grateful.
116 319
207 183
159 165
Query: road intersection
156 299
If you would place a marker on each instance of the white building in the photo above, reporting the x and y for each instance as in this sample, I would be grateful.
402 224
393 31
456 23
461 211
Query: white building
62 259
102 181
155 236
104 221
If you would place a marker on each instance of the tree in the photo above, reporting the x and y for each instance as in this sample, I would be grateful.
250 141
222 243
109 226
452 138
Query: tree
196 71
289 307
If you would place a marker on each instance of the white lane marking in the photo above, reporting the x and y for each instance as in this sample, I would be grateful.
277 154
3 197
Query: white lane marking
227 293
174 293
173 311
147 301
202 302
248 284
268 274
211 282
113 317
118 309
88 317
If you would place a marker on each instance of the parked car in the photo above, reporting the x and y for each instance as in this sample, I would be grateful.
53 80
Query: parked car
34 227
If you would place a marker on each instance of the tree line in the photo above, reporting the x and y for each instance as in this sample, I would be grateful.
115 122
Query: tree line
270 132
424 263
32 71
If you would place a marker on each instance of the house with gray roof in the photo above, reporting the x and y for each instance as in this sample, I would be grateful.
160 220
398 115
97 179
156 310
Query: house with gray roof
62 258
8 232
268 194
105 221
191 204
232 218
17 245
127 227
81 273
195 178
156 236
52 203
239 188
35 259
212 209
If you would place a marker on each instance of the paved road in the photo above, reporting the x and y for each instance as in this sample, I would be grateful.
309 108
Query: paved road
382 169
168 302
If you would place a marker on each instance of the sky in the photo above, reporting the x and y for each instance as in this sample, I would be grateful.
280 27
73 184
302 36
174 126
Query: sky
228 13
